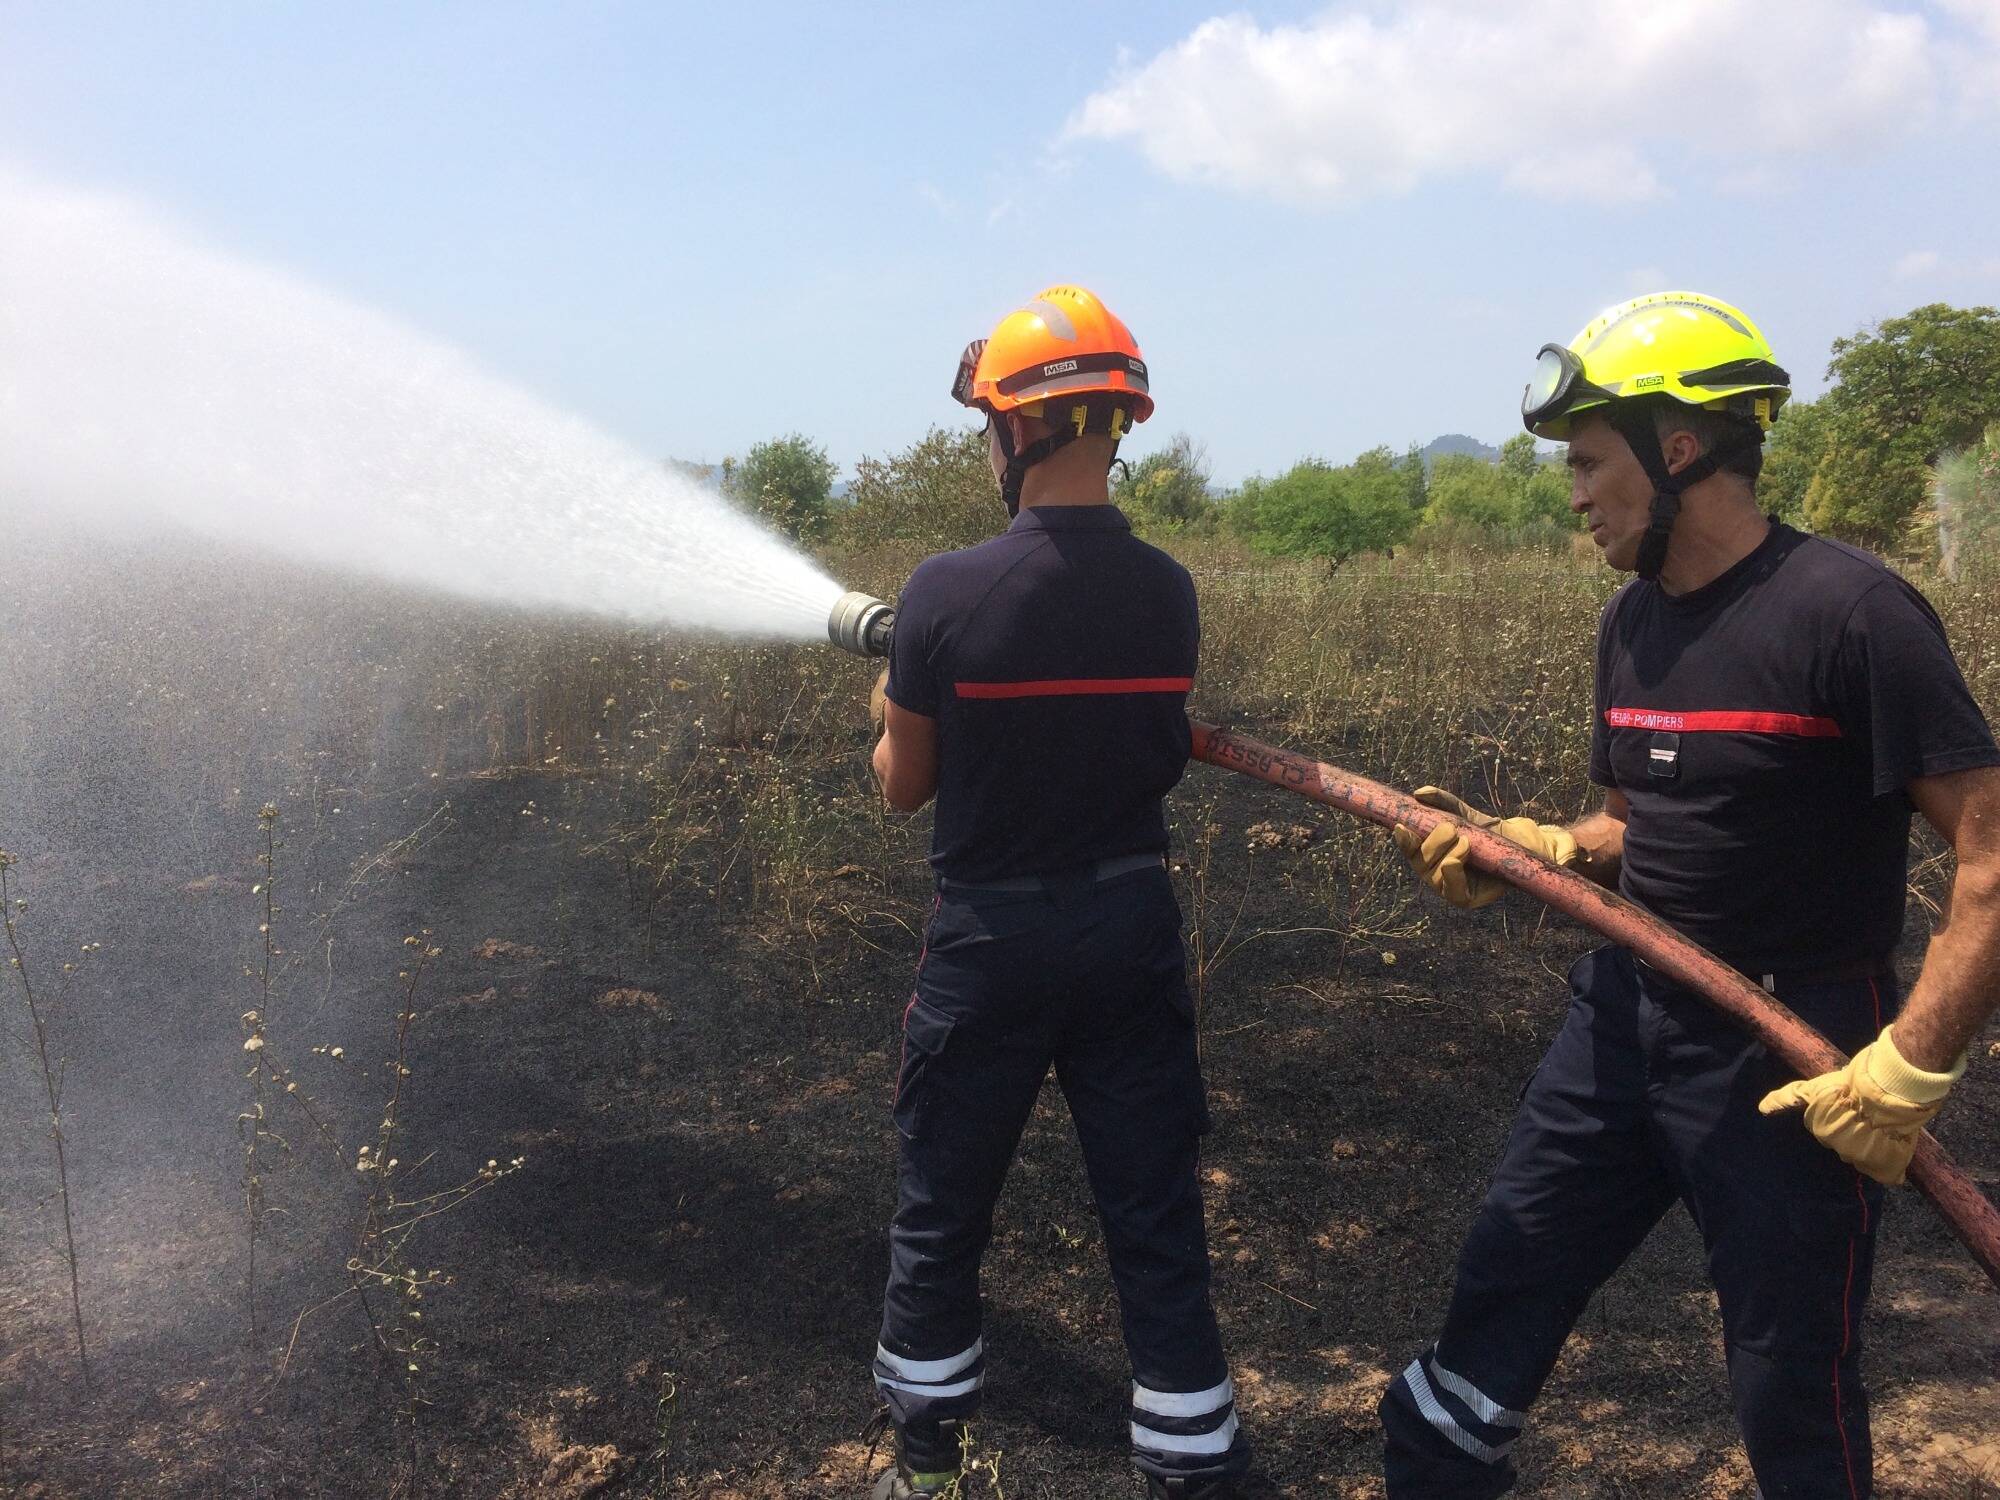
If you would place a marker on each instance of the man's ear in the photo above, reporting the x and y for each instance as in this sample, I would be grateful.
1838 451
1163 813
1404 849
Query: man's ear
1680 449
1027 429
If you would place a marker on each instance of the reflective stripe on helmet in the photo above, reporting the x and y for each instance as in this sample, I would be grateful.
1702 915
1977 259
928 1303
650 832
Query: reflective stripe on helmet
1072 374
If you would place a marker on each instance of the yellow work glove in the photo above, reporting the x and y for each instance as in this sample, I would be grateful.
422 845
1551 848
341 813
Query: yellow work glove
1870 1111
1440 858
877 699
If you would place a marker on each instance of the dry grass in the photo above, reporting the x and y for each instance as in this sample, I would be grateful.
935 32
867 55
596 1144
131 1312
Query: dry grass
740 770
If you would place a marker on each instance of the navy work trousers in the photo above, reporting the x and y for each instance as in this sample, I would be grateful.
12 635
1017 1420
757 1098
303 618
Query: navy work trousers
1086 975
1647 1096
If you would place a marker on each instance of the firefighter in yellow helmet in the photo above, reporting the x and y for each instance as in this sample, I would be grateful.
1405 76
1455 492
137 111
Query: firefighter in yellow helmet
1770 708
1038 689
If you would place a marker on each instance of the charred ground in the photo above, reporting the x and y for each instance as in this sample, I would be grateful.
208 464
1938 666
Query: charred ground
676 935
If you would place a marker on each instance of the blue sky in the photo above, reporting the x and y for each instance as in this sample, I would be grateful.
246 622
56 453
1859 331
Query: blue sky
1329 226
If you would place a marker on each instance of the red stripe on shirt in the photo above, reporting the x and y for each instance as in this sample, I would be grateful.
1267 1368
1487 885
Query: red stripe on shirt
1806 726
1074 687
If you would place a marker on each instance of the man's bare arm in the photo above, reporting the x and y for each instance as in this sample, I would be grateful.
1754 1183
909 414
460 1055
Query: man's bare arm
906 758
1959 987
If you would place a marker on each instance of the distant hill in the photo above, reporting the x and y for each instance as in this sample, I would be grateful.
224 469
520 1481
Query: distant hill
1457 442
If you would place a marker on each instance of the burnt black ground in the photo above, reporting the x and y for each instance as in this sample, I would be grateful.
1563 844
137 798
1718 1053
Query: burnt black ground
678 1293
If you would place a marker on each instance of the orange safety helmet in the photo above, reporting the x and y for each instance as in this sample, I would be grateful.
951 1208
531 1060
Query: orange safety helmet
1063 357
1063 343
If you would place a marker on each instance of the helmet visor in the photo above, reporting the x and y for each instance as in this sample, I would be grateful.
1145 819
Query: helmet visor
1558 372
968 367
1558 388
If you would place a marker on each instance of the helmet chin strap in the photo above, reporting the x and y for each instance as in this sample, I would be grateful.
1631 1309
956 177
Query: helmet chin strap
1018 464
1642 435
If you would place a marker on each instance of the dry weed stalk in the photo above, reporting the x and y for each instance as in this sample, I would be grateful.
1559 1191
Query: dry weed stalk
381 1258
1206 951
251 1123
380 1263
665 1409
52 1084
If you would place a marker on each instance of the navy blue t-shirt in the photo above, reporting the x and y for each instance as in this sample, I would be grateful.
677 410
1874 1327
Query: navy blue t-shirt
1763 728
1056 659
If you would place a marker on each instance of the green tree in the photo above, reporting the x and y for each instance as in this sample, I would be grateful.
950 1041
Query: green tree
1470 491
1538 490
938 491
1544 498
1317 510
1518 459
1865 491
1928 381
1792 456
1167 491
1416 482
1377 461
788 481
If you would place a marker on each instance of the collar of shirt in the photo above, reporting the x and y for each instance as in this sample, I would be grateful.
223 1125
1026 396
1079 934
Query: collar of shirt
1070 518
1731 580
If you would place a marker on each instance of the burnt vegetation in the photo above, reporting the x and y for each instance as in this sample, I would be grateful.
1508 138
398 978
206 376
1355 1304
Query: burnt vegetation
477 1080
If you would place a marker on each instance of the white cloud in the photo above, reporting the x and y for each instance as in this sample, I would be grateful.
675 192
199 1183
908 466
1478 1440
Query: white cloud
1976 56
1561 98
945 208
1928 265
1761 180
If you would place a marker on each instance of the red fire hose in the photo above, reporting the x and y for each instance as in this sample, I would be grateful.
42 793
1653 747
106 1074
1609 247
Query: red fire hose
1972 1217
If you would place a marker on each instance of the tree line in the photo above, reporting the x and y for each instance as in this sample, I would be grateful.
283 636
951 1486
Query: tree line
1910 396
1900 454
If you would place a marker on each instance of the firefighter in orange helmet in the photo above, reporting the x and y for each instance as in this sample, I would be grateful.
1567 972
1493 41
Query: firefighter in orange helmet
1063 361
1037 688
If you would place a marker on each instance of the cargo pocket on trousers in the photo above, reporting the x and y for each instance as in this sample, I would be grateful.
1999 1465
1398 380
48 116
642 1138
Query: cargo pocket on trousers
925 1032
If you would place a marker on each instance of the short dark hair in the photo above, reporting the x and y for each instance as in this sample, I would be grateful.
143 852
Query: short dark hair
1713 430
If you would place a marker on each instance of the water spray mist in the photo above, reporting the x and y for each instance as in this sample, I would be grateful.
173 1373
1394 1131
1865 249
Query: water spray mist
150 383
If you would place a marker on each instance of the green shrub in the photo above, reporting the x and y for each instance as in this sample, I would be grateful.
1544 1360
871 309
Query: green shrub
788 481
1317 510
938 493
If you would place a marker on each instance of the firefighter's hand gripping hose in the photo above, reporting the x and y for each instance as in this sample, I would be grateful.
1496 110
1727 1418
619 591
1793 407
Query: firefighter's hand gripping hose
1964 1208
1440 858
1872 1111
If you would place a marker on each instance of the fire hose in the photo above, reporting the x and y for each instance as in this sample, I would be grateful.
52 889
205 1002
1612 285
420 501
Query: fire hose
865 626
1969 1213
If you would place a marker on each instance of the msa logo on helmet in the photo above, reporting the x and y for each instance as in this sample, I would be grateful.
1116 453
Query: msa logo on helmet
1649 382
1060 367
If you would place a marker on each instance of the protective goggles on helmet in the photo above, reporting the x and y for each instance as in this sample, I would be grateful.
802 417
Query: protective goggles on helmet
1557 385
968 368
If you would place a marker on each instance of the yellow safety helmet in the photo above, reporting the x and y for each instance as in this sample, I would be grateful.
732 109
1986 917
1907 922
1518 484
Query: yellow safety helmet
1693 349
1676 346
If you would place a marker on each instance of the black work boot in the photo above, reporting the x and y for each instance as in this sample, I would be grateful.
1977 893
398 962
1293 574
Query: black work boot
1237 1487
928 1455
